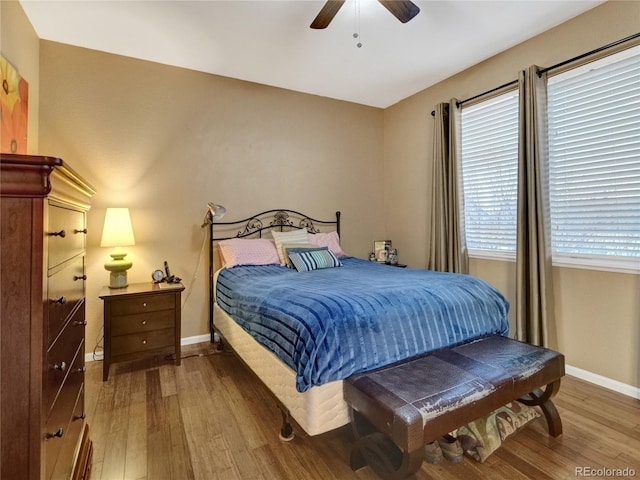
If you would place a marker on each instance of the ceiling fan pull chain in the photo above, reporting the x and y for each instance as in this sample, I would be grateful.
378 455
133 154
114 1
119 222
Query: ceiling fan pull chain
356 35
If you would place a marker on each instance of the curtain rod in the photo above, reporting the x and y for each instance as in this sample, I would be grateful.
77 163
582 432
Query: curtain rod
592 52
508 84
557 65
462 102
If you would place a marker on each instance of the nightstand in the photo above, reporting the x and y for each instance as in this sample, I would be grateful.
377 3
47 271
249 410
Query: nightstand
141 320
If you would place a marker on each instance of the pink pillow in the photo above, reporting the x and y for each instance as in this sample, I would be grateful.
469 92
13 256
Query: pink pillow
243 251
331 240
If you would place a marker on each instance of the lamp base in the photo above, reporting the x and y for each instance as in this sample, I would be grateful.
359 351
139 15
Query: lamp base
118 280
118 268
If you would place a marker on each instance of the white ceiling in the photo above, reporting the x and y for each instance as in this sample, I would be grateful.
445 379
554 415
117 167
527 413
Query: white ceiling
270 42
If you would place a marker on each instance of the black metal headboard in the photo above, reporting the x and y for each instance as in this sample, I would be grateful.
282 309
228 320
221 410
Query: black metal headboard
268 220
278 219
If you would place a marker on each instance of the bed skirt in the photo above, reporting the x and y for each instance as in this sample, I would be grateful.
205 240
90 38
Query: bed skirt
318 410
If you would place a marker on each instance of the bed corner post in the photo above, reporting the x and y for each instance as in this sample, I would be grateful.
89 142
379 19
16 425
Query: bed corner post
338 222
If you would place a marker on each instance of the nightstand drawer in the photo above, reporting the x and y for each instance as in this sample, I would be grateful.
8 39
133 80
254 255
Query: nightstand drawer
66 234
141 342
142 304
142 322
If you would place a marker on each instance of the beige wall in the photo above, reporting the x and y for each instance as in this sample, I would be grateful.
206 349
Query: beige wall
164 141
20 46
598 313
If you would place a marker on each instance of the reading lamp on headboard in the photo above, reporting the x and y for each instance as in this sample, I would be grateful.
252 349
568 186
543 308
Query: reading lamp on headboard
216 211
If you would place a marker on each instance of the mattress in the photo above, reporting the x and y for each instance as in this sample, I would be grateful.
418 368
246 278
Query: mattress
329 324
318 410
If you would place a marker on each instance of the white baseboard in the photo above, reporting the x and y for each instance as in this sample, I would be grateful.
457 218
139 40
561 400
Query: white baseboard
93 357
90 357
602 381
585 375
196 339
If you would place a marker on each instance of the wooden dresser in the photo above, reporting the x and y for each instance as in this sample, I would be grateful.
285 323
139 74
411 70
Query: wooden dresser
43 207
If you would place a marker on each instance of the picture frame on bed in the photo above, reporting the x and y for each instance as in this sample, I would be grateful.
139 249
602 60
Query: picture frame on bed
381 250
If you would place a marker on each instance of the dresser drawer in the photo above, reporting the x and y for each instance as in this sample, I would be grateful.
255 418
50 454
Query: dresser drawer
142 322
63 246
66 291
60 451
141 342
64 358
141 304
59 429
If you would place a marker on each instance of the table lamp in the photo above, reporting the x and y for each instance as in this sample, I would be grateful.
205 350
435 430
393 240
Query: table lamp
117 232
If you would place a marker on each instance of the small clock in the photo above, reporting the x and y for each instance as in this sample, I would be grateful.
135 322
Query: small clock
157 275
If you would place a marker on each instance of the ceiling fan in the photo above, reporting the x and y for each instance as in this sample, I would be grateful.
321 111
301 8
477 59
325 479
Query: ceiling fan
403 10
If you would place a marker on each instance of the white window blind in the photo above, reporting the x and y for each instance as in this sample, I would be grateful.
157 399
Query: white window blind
594 153
489 175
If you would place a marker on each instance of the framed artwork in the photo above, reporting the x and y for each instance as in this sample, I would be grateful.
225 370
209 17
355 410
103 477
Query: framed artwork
381 249
14 99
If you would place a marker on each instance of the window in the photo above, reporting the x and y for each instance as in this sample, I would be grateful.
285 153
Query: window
594 153
489 175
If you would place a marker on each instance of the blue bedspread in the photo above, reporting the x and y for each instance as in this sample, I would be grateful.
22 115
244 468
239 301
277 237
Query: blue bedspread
328 324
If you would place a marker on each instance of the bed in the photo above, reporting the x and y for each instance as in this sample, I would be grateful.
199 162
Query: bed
303 332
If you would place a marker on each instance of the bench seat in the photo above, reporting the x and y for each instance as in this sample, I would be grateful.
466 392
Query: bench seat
399 408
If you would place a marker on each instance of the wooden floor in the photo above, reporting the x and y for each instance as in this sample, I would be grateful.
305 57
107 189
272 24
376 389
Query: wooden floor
210 419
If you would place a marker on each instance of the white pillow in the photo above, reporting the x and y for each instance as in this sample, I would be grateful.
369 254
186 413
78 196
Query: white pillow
292 236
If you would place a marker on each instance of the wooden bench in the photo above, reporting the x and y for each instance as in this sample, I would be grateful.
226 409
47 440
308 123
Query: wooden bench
398 409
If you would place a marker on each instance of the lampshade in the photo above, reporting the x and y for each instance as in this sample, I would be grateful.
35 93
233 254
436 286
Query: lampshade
117 231
217 211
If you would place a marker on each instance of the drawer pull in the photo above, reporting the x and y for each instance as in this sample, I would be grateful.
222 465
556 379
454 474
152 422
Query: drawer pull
84 230
144 342
62 300
80 323
58 434
79 370
144 322
62 367
60 234
79 417
144 304
79 277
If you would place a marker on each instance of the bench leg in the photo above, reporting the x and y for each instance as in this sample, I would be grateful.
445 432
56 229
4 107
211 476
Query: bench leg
380 452
543 400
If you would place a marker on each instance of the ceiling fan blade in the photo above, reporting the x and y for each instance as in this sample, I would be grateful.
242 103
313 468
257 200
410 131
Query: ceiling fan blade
403 10
328 11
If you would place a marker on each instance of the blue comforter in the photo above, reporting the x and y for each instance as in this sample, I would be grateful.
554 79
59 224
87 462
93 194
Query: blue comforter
329 324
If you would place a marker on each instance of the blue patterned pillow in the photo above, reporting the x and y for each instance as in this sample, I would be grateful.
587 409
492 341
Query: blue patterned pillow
307 259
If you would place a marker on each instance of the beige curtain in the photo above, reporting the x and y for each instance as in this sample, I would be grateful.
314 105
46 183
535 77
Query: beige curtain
448 250
535 322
